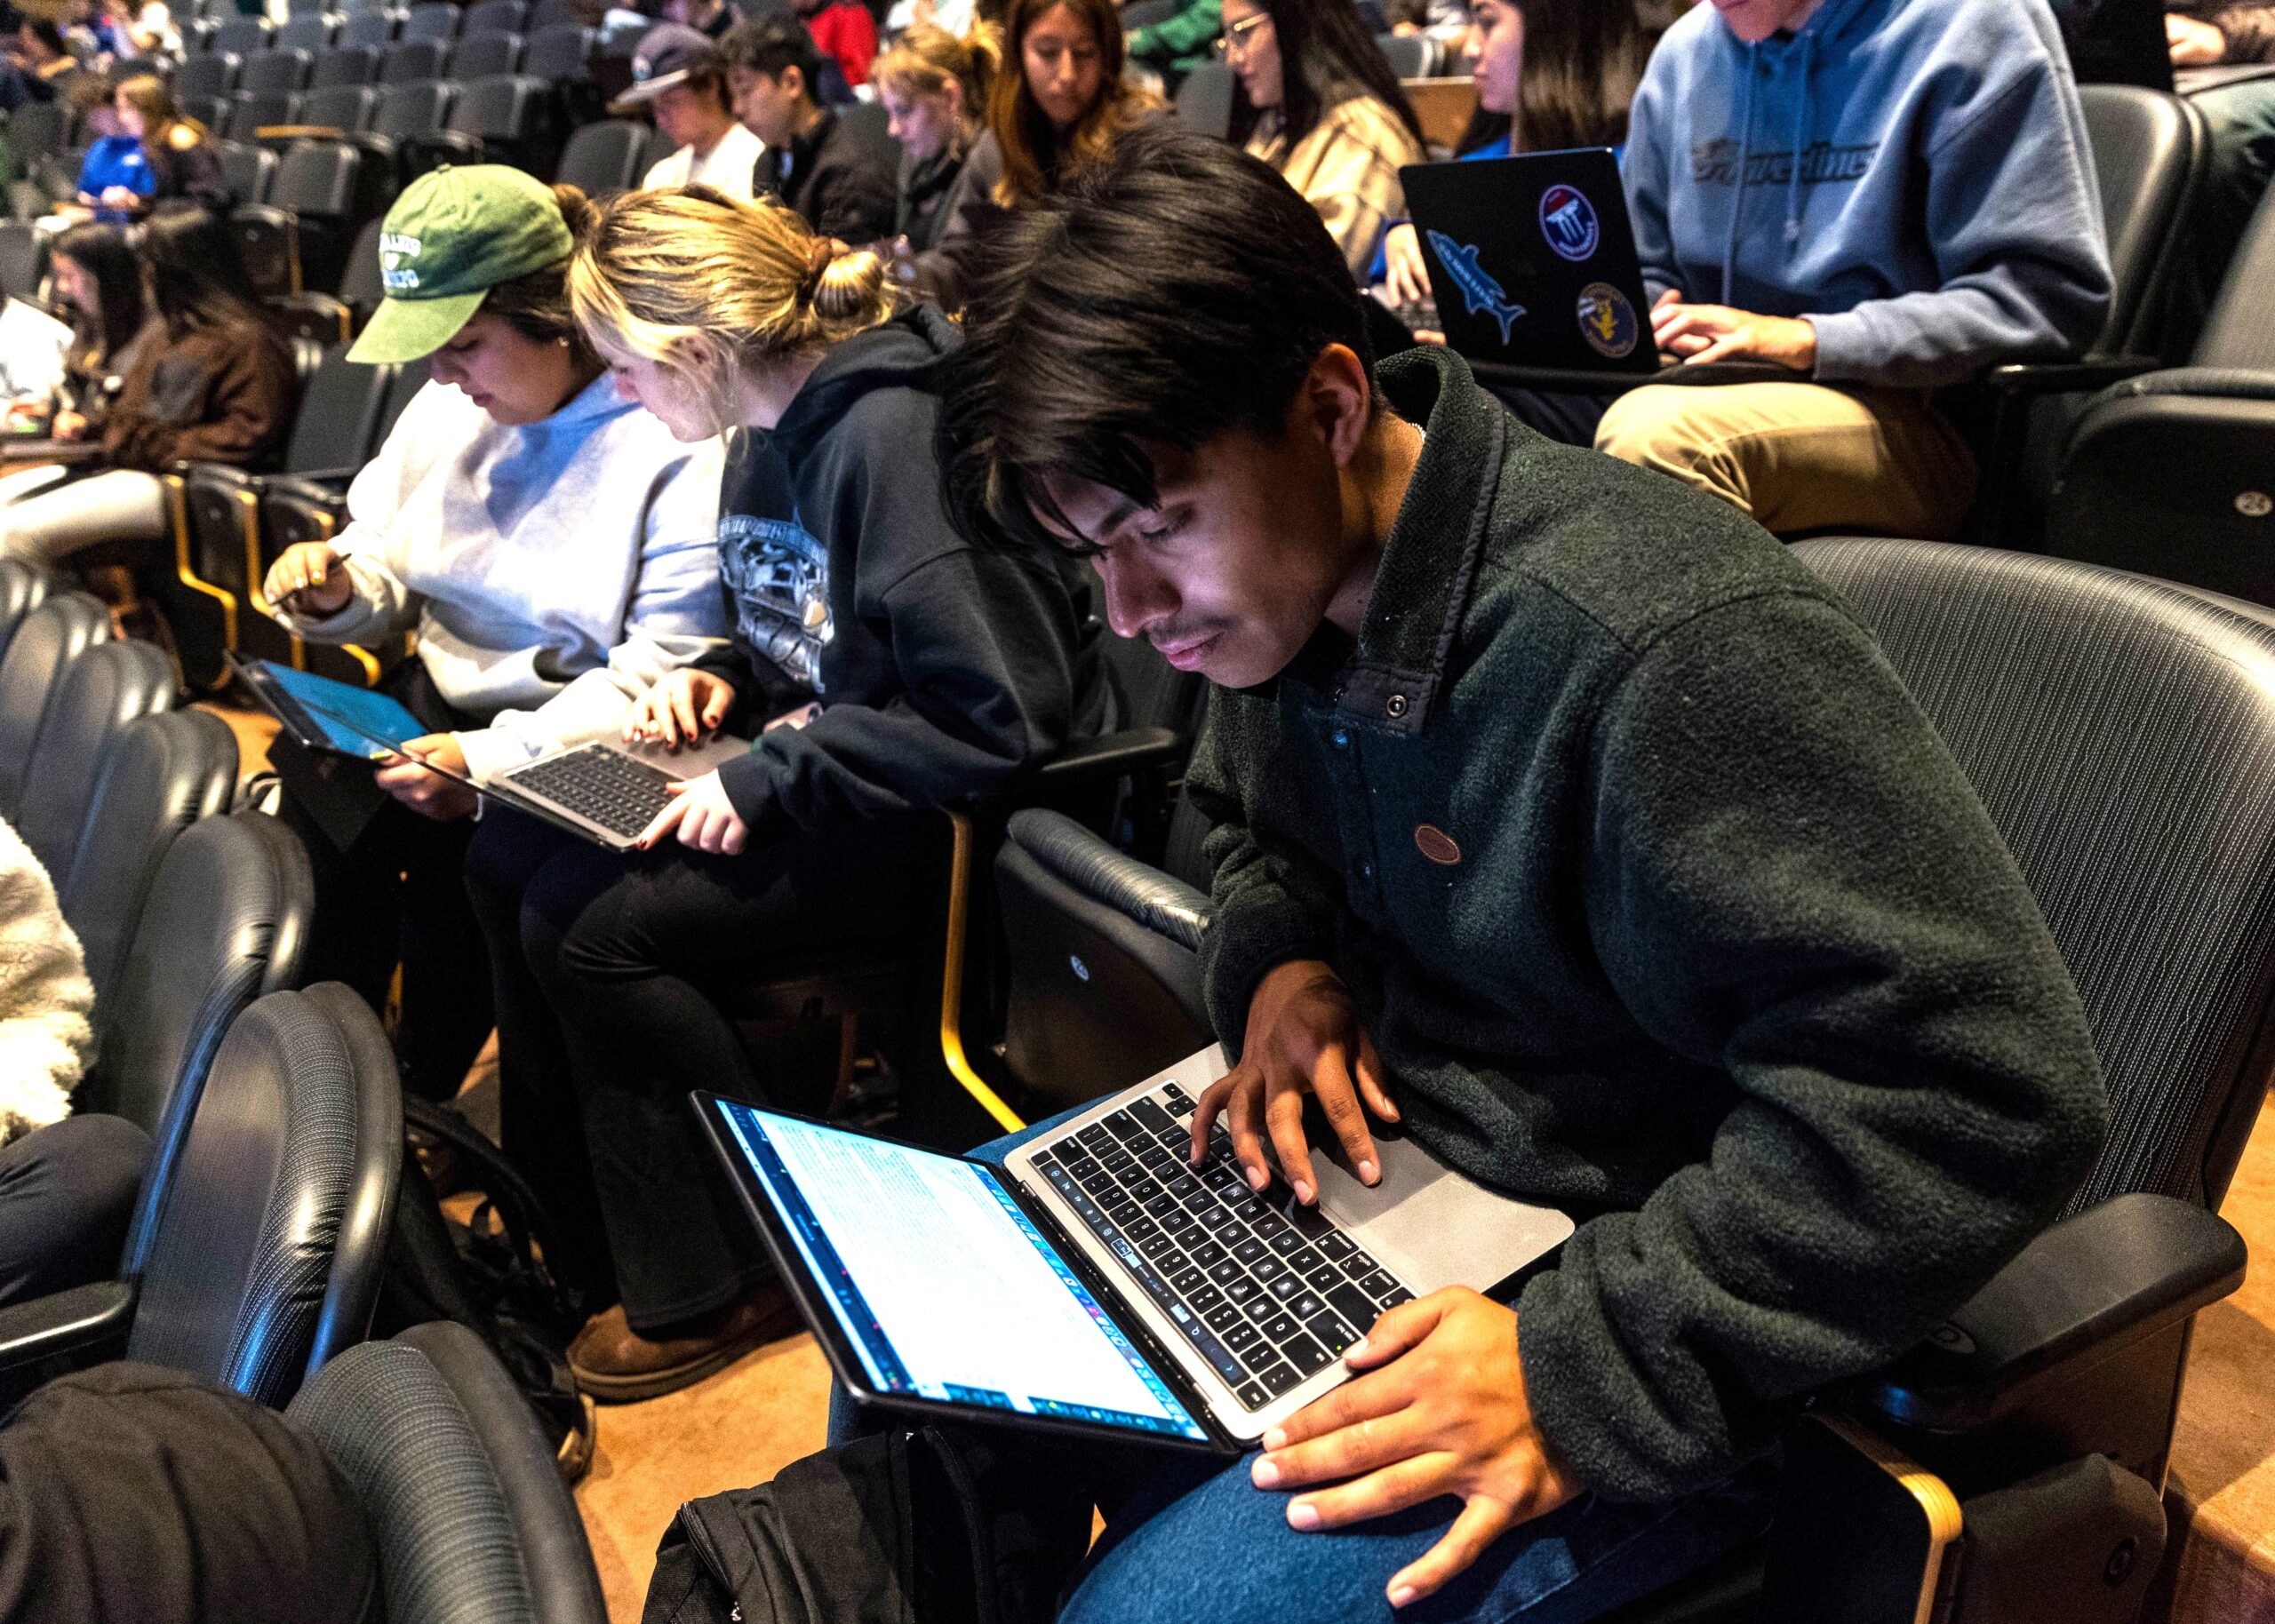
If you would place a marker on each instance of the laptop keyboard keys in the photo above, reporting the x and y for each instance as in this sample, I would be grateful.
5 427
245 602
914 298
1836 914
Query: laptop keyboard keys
1304 1354
1334 1335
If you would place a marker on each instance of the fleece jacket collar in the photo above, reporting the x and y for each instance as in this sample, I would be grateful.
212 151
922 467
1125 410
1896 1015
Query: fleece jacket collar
1429 564
903 351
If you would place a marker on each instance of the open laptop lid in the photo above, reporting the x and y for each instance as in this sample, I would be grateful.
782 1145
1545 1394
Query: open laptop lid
33 345
931 1287
1532 260
327 715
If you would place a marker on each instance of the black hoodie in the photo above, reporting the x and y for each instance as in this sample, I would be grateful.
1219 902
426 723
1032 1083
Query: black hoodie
942 671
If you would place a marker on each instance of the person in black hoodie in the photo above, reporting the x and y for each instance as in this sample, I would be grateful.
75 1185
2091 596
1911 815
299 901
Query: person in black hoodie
843 185
888 669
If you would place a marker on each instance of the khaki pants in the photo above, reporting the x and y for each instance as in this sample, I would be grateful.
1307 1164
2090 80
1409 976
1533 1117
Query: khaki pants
1803 456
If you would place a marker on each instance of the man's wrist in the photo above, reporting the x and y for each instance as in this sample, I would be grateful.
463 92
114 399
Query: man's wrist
1801 353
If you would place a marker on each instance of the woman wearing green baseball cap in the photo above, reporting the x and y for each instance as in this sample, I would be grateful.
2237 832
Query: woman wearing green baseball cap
551 545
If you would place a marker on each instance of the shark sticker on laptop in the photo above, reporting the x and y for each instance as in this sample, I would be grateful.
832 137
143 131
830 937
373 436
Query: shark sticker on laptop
1568 220
1479 291
1608 320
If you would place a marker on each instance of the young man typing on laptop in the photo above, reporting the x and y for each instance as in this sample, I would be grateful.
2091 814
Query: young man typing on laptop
1886 196
1565 819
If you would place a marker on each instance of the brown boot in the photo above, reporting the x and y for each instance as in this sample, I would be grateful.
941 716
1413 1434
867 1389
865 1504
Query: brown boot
616 1364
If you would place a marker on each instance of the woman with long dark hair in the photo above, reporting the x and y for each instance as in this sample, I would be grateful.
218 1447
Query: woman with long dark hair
1317 100
1550 75
98 286
212 382
1059 105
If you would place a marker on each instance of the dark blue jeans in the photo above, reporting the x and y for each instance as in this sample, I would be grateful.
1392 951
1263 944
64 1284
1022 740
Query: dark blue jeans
1195 1541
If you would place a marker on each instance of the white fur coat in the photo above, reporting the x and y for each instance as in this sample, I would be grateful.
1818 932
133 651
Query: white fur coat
44 997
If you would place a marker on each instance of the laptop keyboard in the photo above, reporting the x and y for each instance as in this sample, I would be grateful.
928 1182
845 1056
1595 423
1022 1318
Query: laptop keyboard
1266 1291
619 793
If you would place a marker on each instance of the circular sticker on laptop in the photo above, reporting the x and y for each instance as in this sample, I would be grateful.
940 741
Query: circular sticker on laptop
1568 220
1608 320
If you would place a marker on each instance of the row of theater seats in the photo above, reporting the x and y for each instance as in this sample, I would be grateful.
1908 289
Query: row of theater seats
317 29
254 1254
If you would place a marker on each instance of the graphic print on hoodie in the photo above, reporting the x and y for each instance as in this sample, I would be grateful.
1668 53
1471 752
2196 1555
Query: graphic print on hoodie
1911 175
777 575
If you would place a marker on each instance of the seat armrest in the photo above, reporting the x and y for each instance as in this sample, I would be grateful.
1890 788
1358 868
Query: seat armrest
2091 1285
319 486
85 1319
1160 902
2196 383
1109 756
2087 376
1569 380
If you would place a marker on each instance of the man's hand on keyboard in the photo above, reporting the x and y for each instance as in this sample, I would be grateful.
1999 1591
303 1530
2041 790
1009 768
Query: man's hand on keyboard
1303 1037
1438 1408
430 794
685 708
704 816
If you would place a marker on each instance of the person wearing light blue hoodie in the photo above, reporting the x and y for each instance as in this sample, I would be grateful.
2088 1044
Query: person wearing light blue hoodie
1886 196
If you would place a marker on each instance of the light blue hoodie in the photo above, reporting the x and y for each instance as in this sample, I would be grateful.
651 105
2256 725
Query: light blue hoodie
1944 217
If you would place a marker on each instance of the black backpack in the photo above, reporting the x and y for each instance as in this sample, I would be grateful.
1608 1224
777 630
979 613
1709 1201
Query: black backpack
490 1279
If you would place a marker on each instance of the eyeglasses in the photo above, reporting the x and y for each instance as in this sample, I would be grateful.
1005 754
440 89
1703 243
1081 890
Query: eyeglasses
1238 38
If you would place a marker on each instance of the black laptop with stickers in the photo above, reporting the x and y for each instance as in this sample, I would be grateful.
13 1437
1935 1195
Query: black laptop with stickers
1532 259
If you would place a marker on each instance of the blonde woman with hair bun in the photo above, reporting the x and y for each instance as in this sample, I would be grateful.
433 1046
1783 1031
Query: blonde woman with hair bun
882 666
934 88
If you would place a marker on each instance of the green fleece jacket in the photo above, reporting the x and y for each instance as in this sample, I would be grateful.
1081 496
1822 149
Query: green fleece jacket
1664 905
1180 44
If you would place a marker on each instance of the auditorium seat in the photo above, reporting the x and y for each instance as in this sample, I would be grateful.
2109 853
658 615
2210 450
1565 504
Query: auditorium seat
346 65
558 54
253 111
23 588
95 700
368 31
409 61
214 74
345 108
509 114
309 31
335 428
495 16
437 19
47 644
468 1511
264 1260
299 237
23 258
276 71
240 36
484 56
2170 473
604 158
248 171
37 128
1204 101
161 774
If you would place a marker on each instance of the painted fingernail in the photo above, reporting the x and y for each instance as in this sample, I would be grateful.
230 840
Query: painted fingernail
1264 1474
1402 1595
1369 1173
1302 1515
1257 1177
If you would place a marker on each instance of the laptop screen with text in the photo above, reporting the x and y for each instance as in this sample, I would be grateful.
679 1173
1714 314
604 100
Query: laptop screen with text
942 1284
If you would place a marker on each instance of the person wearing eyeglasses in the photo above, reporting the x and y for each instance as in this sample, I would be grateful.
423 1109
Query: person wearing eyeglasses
1318 102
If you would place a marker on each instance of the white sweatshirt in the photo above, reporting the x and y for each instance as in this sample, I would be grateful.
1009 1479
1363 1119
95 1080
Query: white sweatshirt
554 571
44 997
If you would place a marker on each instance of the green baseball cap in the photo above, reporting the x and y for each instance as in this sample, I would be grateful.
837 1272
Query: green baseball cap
454 235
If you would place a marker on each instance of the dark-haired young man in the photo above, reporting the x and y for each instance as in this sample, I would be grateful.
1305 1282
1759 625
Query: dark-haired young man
844 187
1564 817
681 79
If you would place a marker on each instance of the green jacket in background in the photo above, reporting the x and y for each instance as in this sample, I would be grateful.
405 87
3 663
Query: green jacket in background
1177 45
1664 904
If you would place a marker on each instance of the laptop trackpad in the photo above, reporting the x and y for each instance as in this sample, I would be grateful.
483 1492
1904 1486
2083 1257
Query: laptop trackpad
1431 1226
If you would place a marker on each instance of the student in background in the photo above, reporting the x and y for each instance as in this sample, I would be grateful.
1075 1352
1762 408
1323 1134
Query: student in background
40 66
1179 43
934 88
1550 75
844 188
99 283
185 168
887 667
212 382
1882 199
552 546
1318 103
116 176
679 76
1059 105
2211 34
845 33
709 18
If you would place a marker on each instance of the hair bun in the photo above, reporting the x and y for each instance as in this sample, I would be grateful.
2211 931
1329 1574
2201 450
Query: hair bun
579 212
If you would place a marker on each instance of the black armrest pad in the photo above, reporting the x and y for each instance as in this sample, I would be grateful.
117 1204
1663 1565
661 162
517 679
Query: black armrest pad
2067 376
2089 1287
2218 383
323 486
1112 755
1160 902
85 1318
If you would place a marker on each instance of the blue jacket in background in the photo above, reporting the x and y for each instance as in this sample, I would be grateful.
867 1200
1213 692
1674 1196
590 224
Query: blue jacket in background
116 160
1943 215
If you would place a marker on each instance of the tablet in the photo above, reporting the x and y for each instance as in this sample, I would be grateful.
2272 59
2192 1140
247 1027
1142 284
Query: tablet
317 711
